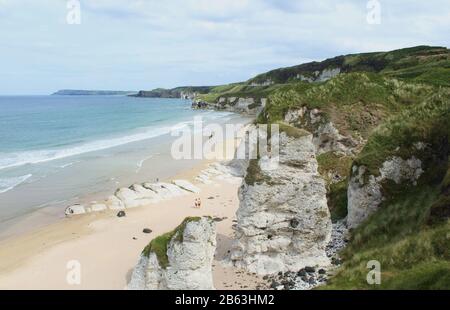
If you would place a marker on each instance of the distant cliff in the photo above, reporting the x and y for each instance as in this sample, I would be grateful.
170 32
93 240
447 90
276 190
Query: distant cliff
185 92
80 92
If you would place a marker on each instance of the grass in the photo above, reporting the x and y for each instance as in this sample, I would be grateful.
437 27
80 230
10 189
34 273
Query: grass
427 122
410 233
331 164
292 131
412 254
159 244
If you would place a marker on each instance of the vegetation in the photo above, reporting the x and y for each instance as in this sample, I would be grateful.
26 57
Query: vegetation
421 63
410 233
159 244
331 166
399 102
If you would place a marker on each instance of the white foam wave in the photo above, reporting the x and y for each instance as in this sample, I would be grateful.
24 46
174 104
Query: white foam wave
10 160
9 183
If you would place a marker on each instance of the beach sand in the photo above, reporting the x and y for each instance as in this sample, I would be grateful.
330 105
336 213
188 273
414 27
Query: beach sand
108 247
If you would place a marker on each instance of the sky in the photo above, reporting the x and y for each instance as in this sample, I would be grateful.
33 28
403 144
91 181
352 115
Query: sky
144 44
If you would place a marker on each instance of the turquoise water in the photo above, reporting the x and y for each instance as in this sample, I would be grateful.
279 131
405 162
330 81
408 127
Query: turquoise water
38 129
56 148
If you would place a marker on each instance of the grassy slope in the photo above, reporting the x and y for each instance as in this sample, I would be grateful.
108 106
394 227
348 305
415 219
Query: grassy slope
422 63
410 234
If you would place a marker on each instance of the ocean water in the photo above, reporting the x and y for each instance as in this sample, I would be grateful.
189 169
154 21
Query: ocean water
57 149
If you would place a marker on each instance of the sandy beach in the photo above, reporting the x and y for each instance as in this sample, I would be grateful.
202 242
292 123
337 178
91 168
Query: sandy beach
108 247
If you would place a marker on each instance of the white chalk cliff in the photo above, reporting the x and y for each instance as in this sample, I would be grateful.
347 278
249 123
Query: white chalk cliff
283 218
365 192
187 263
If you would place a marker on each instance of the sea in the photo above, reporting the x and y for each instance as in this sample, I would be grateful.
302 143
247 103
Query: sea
59 150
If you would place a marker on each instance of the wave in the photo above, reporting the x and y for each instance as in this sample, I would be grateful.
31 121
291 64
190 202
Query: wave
9 183
34 157
9 160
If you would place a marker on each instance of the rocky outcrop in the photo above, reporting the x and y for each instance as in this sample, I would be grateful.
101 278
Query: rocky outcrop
185 265
137 195
247 106
365 192
320 76
283 222
327 137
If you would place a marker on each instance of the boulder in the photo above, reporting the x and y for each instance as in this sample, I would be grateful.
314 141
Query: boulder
131 199
76 209
114 203
186 185
97 207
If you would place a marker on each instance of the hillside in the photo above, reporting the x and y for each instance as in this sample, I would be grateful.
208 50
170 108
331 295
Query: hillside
186 92
380 127
421 64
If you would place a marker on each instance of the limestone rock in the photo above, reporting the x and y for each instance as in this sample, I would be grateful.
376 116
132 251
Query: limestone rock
97 207
364 197
283 222
131 199
115 203
75 210
189 258
186 185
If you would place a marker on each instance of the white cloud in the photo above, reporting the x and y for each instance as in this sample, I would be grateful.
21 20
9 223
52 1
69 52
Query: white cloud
133 44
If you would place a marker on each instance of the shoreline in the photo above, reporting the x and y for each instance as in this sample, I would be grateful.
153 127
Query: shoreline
108 247
153 162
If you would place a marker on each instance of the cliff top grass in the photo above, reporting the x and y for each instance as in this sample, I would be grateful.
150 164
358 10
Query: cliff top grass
426 122
292 131
421 63
159 244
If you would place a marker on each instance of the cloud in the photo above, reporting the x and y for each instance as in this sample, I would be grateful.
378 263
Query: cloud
134 44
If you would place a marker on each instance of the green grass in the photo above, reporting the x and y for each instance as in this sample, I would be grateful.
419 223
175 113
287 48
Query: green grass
331 163
410 233
427 122
292 131
413 255
159 244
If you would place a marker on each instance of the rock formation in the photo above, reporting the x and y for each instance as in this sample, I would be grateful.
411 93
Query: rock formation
179 260
365 192
247 106
283 219
327 137
137 195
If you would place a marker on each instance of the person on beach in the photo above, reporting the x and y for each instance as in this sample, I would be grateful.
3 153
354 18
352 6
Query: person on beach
197 203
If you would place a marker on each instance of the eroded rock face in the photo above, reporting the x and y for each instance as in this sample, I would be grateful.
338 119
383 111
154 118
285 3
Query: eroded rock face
327 137
365 192
283 219
189 258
